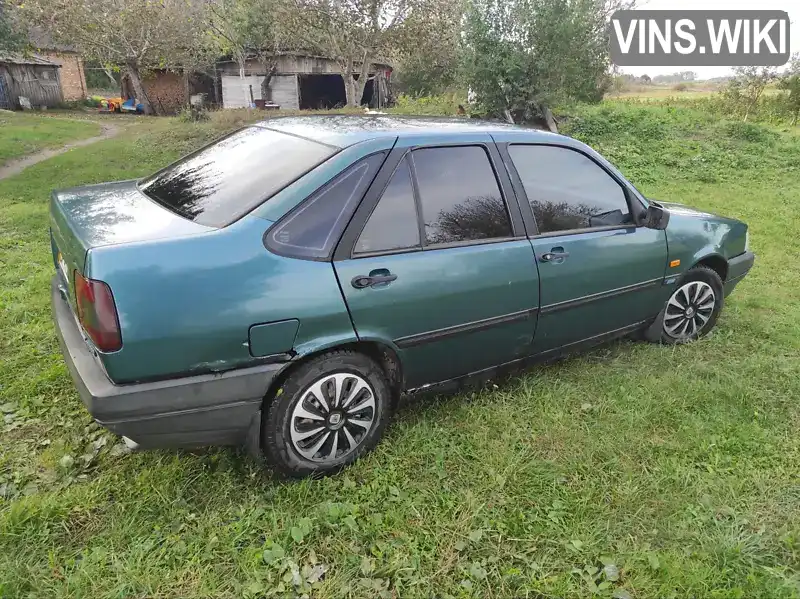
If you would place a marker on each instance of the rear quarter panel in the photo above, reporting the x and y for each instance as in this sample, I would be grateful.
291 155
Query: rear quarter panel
186 305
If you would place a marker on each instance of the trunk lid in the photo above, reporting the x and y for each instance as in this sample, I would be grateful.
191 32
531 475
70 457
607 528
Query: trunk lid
83 218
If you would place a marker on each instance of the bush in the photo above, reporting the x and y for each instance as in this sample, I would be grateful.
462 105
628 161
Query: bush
692 143
608 120
680 87
526 57
190 114
749 132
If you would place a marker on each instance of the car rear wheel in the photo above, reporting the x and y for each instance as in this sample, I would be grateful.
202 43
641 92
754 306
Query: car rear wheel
328 413
692 309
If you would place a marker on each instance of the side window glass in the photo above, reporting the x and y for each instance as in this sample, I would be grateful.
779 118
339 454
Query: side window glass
567 190
393 223
312 229
461 199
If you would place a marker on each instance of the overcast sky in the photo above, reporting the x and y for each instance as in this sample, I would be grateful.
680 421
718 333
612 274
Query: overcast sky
790 6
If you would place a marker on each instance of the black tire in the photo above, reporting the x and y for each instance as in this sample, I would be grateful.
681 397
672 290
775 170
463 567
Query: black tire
703 275
277 425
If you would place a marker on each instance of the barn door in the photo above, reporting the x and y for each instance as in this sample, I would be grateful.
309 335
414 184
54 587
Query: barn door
4 94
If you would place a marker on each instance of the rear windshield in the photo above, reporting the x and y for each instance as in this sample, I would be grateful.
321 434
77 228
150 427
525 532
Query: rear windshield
230 177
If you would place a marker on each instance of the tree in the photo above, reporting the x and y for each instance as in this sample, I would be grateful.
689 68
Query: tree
228 30
790 83
745 88
245 28
135 35
522 56
268 26
11 38
646 79
428 64
358 33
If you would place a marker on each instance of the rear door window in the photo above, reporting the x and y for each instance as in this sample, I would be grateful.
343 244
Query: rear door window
460 196
227 179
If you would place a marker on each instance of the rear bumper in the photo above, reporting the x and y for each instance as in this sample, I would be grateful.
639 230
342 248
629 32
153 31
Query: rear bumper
738 267
193 411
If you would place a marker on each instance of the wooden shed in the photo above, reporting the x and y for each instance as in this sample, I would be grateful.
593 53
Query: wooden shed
300 81
31 77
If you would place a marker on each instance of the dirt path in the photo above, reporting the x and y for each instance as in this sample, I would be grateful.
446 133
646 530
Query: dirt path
14 167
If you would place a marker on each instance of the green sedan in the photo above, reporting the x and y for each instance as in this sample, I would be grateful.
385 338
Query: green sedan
284 286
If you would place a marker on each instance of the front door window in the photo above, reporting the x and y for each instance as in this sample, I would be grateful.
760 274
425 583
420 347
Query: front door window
567 190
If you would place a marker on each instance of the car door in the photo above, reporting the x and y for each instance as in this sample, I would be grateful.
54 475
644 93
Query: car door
599 272
437 265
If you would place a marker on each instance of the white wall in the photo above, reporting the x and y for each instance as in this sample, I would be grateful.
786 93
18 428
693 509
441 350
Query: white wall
235 95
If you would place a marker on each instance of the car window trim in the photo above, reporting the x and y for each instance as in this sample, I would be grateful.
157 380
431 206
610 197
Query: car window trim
358 220
517 181
417 209
436 247
509 192
504 184
567 232
412 169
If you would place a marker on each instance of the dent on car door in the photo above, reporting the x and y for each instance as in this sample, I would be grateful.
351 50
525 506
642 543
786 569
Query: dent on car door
600 272
441 268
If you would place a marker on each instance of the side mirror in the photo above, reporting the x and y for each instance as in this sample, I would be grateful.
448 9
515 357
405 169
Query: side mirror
656 217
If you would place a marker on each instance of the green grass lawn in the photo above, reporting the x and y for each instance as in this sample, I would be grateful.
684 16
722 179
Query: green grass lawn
633 471
22 133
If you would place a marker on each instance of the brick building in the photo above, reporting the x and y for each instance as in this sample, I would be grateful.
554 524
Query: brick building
72 74
169 91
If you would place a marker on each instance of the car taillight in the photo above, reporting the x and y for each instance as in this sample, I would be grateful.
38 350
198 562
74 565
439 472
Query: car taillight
97 313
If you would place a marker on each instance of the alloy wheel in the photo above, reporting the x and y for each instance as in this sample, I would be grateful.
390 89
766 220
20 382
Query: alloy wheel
689 310
333 417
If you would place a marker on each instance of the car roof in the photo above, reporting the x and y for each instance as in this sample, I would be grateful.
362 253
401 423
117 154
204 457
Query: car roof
346 130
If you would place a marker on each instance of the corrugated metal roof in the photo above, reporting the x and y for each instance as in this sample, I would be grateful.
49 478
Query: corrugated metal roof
252 55
33 59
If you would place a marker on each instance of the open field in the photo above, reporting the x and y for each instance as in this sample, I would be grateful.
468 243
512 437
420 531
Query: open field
660 93
676 92
633 471
25 133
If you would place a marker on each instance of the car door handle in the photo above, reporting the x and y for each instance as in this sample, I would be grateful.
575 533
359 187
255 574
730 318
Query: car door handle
364 281
550 256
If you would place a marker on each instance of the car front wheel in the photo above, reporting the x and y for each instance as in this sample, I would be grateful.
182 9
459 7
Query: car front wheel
692 309
329 412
